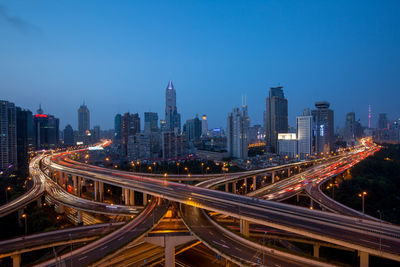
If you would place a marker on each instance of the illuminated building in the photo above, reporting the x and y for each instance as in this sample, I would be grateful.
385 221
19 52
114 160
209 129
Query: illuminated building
237 133
8 136
83 123
172 117
304 134
323 128
45 130
287 144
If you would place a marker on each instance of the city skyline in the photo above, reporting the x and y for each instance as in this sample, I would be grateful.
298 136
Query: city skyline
344 56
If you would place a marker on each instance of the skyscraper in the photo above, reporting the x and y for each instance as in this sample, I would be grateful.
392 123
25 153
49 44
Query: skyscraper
8 136
304 134
46 131
276 117
382 121
130 125
25 143
172 117
150 122
193 129
237 133
323 127
117 129
204 125
83 121
68 135
349 130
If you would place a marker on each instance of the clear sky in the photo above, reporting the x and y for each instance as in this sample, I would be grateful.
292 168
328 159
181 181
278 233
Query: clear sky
118 56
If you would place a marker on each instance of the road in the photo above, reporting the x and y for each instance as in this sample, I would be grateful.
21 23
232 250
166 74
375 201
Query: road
365 235
117 239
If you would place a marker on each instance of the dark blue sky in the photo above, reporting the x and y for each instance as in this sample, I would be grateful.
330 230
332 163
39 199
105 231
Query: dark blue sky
119 55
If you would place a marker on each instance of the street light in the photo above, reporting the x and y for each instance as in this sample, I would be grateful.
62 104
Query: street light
26 225
362 195
7 189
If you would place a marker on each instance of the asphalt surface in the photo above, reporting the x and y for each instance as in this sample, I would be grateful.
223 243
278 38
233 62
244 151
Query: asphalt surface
117 239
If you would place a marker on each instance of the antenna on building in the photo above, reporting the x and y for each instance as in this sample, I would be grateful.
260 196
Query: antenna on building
369 116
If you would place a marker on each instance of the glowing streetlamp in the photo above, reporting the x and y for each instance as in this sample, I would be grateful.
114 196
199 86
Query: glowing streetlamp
362 196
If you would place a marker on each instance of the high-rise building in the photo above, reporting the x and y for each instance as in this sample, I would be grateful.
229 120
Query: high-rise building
173 145
323 127
83 122
304 134
237 133
117 129
287 144
150 122
382 121
193 129
139 146
96 133
8 136
350 126
172 117
68 136
256 134
46 130
130 125
276 117
204 125
25 142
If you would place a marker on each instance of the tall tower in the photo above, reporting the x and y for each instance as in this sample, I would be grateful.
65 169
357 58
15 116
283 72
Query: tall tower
276 117
237 133
83 121
8 136
304 134
172 117
323 127
369 116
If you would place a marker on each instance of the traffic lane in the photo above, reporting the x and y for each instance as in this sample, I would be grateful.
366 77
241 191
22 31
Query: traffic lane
54 236
203 228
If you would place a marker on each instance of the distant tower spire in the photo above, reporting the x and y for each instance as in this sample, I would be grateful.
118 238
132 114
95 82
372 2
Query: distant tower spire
40 110
369 116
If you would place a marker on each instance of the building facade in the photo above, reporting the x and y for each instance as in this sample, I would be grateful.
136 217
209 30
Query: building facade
8 136
238 123
173 145
276 117
150 122
130 125
204 125
46 130
323 128
83 122
287 145
304 134
69 136
172 117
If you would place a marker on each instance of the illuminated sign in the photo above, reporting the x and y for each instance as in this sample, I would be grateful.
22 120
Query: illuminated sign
41 116
286 136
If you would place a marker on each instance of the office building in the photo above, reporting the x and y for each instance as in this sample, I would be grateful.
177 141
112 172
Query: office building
69 136
96 134
130 125
204 125
276 117
237 133
287 145
83 123
150 122
323 128
173 145
383 121
46 130
193 129
172 117
304 126
139 146
25 142
117 129
256 134
8 136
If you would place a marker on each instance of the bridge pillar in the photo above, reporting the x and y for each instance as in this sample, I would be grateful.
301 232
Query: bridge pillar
16 259
132 198
226 187
126 196
364 258
316 250
288 172
298 197
20 212
244 227
75 184
169 243
273 177
101 191
80 182
311 203
144 199
234 187
96 190
79 215
254 183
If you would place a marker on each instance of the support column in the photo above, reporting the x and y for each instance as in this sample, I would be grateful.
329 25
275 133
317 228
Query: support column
169 254
96 190
101 191
288 172
364 258
226 187
144 199
79 215
20 212
132 198
316 250
273 177
254 183
16 259
244 227
126 196
80 186
75 184
234 187
39 202
311 203
298 197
